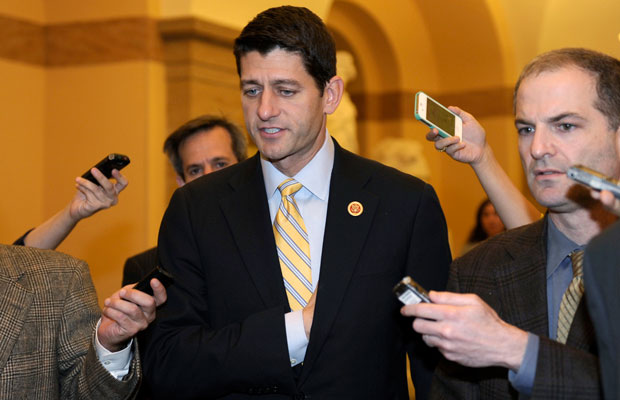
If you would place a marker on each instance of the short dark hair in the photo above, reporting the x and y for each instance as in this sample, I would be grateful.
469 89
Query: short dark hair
294 29
203 123
605 69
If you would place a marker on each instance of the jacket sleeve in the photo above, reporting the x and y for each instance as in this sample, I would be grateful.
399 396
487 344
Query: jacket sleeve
565 372
82 376
428 264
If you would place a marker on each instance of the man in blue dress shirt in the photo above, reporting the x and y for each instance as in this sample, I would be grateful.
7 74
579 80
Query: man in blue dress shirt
502 338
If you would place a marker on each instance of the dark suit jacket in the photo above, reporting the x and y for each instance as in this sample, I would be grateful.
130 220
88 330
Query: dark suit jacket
48 311
508 272
602 281
138 266
223 332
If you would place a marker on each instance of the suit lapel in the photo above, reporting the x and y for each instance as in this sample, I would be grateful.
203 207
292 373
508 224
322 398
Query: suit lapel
247 213
344 239
15 302
521 282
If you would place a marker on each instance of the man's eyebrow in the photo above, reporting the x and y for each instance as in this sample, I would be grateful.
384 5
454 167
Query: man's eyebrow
292 82
246 82
521 121
188 166
553 119
560 117
285 82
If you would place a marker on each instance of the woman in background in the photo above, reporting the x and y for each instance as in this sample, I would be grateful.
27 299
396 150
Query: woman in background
488 224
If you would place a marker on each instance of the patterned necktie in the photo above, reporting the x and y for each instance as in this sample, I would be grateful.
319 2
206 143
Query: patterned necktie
293 247
571 298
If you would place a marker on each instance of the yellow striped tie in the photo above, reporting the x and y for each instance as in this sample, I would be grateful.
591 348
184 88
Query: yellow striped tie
571 298
293 247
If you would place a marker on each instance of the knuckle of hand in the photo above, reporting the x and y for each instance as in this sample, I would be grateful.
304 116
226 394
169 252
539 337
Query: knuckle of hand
447 332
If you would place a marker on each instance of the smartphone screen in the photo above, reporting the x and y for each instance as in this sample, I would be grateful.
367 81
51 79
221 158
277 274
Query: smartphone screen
438 115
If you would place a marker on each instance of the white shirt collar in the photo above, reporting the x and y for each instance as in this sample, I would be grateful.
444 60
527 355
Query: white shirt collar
314 176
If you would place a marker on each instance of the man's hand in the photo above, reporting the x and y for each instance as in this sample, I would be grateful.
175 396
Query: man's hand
471 149
466 330
308 313
91 198
127 312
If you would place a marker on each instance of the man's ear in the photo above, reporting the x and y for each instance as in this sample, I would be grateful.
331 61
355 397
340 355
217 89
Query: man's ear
333 94
180 181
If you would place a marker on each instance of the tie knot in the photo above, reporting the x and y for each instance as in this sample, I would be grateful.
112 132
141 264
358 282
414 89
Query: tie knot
289 187
576 258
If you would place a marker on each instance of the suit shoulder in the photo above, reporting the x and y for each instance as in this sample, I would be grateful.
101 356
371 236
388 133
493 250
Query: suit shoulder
143 257
381 173
139 265
45 271
18 259
502 247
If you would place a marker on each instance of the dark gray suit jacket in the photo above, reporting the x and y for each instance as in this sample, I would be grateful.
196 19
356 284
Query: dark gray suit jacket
602 280
48 311
508 272
222 334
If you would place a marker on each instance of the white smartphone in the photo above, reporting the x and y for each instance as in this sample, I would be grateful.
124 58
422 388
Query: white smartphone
435 115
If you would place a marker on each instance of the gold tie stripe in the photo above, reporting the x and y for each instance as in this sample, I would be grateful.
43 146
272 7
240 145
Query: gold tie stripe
293 247
571 298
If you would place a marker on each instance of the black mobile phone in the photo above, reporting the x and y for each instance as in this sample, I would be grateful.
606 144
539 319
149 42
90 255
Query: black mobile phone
162 275
112 161
593 179
409 291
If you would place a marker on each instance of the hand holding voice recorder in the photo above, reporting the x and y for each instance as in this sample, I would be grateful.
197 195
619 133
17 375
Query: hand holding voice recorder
409 291
437 116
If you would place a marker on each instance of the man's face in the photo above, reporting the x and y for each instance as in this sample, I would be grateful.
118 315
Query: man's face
283 109
205 152
558 127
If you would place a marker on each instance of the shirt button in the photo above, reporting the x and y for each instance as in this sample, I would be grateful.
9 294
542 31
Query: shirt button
293 361
107 362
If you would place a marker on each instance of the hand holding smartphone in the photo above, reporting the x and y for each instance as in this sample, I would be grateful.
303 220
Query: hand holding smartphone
112 161
433 114
144 285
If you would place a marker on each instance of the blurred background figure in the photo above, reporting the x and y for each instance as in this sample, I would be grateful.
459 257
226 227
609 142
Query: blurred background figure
488 224
198 147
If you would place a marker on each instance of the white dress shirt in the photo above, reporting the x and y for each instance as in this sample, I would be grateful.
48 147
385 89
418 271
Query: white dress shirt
312 200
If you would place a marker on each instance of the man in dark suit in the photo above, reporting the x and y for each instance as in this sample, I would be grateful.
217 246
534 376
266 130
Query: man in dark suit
198 147
51 345
525 330
602 279
238 324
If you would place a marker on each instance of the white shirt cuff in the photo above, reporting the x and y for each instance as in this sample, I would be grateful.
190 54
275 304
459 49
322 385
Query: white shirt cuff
116 363
295 337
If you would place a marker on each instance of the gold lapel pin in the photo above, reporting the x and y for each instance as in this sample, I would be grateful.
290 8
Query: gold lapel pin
355 208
